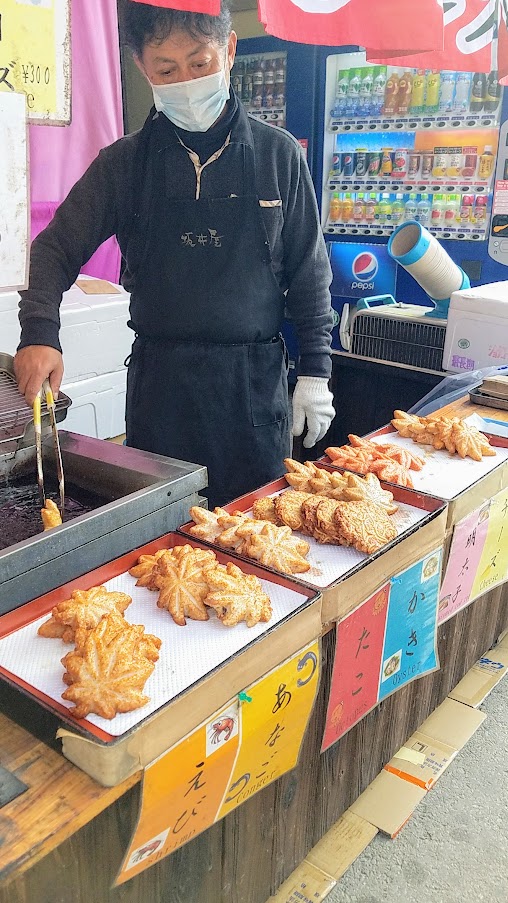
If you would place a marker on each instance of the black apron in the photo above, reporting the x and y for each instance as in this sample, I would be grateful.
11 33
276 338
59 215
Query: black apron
207 378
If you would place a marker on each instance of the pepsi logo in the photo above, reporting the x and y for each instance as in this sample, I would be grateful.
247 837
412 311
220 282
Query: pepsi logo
365 267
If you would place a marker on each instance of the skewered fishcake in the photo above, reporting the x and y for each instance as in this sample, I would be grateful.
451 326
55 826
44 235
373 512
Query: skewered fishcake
368 488
236 596
107 672
277 548
51 515
84 609
363 525
182 583
206 523
289 508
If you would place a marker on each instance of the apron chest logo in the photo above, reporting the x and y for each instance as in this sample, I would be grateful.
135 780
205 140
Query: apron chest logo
210 238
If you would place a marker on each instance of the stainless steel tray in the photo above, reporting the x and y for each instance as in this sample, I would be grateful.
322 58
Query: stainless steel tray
476 397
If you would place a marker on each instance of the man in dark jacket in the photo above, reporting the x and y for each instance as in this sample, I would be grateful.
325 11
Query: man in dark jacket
217 221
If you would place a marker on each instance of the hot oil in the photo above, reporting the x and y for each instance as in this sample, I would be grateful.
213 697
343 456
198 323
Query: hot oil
20 508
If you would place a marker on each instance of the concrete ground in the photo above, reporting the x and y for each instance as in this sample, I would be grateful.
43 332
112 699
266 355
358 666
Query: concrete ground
454 849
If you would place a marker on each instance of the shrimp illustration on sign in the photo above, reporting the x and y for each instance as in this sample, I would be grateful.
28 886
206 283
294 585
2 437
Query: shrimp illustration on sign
221 730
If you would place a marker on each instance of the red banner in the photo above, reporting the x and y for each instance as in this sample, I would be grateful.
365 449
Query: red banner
211 7
373 23
502 44
468 31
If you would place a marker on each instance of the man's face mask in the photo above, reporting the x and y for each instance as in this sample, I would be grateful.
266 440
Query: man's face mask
193 105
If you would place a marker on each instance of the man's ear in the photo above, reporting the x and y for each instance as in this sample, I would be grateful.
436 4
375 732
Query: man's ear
232 49
139 64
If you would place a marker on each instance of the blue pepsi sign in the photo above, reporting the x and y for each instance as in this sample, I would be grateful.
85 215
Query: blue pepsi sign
361 270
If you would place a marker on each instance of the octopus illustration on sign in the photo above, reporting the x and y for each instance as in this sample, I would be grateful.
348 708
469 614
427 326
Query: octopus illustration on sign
320 6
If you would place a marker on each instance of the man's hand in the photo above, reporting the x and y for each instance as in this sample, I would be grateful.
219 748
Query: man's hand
35 363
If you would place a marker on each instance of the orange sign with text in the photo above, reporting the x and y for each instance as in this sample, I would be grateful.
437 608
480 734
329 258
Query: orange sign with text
244 746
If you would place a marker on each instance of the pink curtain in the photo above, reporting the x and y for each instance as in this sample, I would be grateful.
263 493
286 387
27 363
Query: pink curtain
60 155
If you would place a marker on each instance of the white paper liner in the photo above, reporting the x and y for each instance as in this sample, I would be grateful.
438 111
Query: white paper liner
187 654
444 475
330 562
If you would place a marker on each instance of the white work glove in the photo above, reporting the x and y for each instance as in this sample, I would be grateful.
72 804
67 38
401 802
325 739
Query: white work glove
312 402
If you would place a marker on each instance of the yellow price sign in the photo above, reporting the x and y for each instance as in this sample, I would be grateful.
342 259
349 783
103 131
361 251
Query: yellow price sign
493 566
244 746
35 57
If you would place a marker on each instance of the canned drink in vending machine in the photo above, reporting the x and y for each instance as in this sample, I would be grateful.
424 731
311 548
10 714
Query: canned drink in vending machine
427 165
361 162
414 165
336 165
374 167
399 170
348 164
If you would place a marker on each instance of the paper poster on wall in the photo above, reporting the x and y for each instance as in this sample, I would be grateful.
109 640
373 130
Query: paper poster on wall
388 641
243 747
14 200
478 559
35 57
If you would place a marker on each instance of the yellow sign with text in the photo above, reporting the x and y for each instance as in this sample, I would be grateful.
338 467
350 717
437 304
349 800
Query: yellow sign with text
244 746
35 56
493 566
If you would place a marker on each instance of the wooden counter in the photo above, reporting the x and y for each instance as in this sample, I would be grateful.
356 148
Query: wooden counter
62 841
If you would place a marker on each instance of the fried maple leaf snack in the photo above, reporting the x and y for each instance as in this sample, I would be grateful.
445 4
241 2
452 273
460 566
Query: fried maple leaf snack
83 610
107 671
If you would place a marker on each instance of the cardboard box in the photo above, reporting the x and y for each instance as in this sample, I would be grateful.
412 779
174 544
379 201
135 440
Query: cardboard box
481 679
388 802
370 573
452 723
421 760
111 759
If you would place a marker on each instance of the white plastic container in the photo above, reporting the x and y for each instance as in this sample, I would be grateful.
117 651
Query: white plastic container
477 329
94 334
98 405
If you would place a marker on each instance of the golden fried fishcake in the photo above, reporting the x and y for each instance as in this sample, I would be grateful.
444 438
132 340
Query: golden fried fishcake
84 609
364 525
229 538
299 475
145 568
264 509
326 530
470 442
288 506
391 472
368 488
182 583
106 674
206 525
277 548
236 596
50 515
309 507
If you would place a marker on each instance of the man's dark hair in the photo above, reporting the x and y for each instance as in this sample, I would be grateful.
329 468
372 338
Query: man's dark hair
144 24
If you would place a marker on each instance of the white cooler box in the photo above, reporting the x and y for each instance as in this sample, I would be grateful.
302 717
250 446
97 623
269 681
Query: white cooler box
477 329
94 334
98 405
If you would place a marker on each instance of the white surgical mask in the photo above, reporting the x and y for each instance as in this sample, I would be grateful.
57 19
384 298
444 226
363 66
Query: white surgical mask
193 105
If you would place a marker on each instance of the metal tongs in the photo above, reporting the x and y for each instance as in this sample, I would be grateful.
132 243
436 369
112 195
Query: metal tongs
50 404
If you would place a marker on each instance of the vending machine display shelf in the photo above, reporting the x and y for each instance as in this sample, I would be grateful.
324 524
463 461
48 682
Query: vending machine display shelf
441 233
415 123
406 185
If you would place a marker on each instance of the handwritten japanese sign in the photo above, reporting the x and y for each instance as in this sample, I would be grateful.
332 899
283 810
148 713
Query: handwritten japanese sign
35 56
14 200
478 558
383 644
242 748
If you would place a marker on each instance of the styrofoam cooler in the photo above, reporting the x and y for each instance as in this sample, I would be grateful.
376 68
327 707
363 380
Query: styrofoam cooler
98 405
94 334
